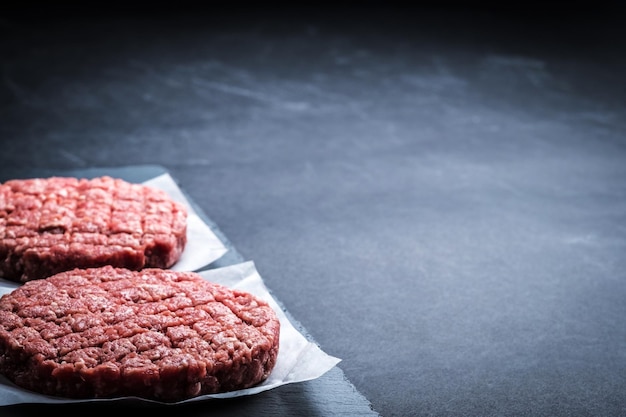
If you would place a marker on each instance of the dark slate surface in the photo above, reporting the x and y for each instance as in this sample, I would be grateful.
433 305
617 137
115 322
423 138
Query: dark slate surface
438 195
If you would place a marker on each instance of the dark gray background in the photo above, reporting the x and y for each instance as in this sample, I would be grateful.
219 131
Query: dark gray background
438 194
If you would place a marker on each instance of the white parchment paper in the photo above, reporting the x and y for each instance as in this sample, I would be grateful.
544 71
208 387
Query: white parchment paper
203 246
298 359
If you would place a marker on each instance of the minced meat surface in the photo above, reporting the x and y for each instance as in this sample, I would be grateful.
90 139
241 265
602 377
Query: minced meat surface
50 225
157 334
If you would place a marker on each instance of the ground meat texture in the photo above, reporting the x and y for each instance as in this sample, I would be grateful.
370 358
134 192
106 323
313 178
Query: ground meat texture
51 225
157 334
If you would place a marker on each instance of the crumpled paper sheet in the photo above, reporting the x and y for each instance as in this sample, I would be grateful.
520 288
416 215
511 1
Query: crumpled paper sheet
203 246
298 359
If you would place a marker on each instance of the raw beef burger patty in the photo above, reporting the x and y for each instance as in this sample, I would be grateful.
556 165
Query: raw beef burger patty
157 334
50 225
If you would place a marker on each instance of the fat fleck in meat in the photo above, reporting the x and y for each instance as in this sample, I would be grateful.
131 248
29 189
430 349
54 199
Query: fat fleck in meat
50 225
158 334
